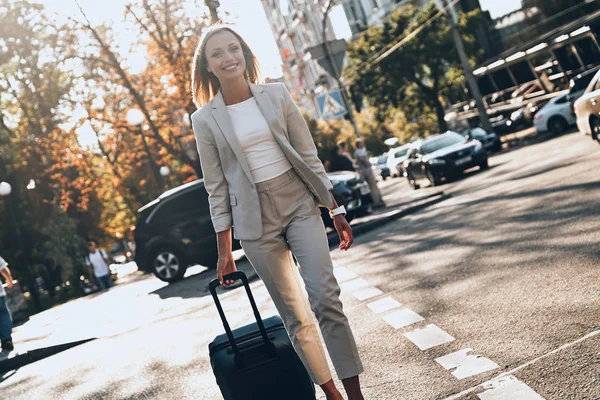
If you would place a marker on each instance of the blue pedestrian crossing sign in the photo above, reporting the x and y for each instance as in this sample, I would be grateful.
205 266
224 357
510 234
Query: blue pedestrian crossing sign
331 105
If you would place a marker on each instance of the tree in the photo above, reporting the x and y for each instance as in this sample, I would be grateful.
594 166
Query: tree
161 91
417 77
39 153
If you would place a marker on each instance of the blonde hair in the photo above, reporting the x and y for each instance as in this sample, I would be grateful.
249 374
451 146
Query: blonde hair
205 84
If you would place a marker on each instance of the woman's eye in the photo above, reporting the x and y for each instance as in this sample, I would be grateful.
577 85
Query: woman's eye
216 54
234 48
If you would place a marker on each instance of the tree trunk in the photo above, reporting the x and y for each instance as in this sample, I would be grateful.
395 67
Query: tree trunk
440 113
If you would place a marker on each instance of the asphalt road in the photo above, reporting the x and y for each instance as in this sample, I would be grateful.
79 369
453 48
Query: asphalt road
507 267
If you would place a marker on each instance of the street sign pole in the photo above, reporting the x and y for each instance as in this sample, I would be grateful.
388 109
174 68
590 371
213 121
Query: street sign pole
483 117
336 71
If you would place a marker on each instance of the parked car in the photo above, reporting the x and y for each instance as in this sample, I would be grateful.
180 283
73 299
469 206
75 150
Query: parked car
175 231
351 191
440 157
381 164
396 157
579 83
120 252
555 116
490 141
587 109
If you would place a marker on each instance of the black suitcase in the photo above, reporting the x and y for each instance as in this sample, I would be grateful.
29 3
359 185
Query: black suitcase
257 361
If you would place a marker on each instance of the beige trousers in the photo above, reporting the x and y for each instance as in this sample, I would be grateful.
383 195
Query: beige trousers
292 221
368 176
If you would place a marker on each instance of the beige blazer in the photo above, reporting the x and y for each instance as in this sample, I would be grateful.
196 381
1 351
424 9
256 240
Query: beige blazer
232 194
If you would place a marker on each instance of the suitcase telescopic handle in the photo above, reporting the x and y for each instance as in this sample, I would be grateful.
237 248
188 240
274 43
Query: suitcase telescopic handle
212 286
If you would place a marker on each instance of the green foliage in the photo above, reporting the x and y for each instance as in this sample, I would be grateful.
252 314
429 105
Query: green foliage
420 76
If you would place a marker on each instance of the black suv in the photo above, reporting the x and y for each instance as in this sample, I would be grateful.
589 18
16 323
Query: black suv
175 231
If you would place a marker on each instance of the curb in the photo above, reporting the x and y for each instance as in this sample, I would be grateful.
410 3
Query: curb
362 228
21 359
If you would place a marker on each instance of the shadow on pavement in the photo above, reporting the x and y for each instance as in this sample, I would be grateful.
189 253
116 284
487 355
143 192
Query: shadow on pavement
534 138
197 285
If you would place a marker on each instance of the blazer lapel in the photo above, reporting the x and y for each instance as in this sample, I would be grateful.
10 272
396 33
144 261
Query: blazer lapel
266 107
220 114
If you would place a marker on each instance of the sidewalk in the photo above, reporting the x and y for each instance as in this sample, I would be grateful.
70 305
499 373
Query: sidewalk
72 323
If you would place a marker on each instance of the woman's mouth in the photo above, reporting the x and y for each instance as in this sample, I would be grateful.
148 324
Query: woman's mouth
230 67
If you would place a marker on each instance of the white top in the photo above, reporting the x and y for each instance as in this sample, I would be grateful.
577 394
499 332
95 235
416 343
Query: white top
362 154
3 264
263 153
97 261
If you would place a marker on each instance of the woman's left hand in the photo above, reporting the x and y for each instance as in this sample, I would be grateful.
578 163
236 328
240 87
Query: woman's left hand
343 229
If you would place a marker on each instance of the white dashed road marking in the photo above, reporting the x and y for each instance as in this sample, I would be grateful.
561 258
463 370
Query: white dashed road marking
462 364
354 284
465 364
383 305
508 388
428 337
343 274
367 293
401 318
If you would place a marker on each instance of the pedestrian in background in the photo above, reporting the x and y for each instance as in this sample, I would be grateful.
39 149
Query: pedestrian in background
97 263
340 162
264 178
344 152
5 318
366 171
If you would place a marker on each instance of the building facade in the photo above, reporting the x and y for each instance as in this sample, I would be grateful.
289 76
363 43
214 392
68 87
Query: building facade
297 25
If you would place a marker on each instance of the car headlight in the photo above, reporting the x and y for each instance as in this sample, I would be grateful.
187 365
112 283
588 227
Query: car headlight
437 161
477 147
516 114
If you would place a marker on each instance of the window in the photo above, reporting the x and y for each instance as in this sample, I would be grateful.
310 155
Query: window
503 79
485 85
445 140
192 201
588 51
522 72
567 58
400 153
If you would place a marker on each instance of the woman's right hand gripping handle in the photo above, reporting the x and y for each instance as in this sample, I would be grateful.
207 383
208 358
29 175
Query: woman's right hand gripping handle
226 263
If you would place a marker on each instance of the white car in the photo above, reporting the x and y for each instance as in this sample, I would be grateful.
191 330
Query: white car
396 157
555 116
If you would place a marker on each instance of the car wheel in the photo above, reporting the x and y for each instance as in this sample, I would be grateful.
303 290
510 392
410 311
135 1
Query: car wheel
431 178
557 125
484 165
595 127
168 264
411 181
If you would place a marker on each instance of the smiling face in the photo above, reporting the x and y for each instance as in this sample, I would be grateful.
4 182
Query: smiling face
225 57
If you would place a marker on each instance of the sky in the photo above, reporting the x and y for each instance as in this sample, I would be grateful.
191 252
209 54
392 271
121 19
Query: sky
248 15
498 8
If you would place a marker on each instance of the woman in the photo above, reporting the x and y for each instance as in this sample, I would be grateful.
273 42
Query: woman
340 162
264 178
